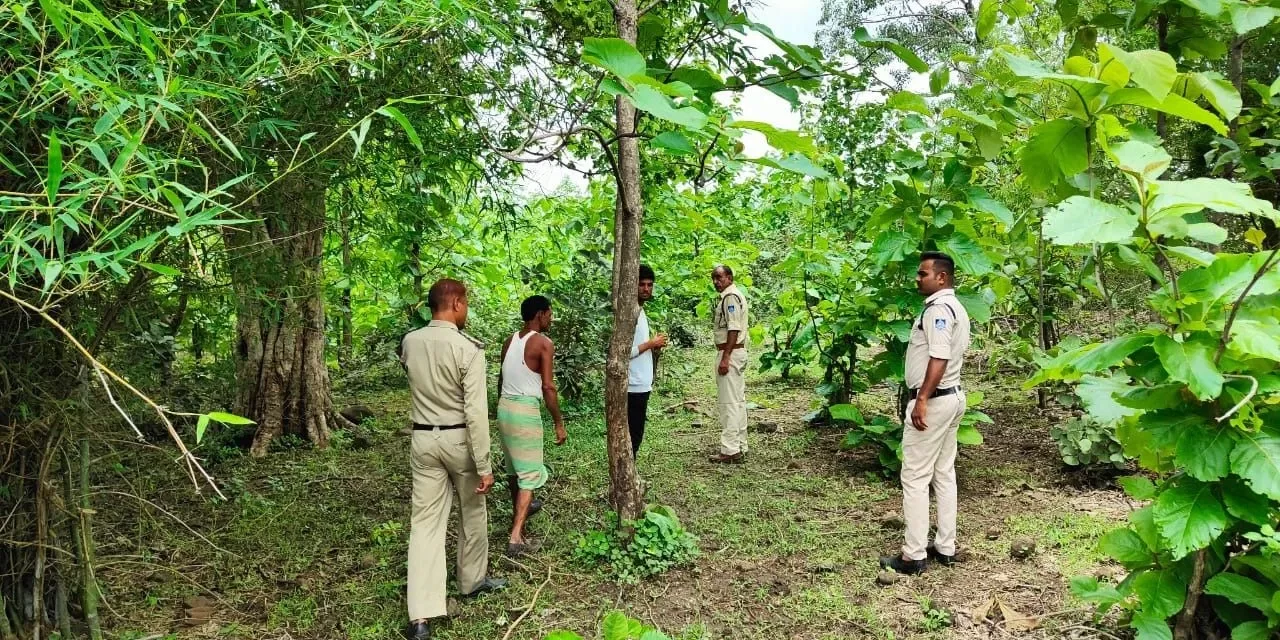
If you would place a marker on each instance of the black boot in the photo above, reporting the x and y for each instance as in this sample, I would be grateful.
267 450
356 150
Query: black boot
418 631
898 564
489 584
940 558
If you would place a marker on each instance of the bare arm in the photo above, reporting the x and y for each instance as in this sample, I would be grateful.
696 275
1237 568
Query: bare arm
549 394
501 359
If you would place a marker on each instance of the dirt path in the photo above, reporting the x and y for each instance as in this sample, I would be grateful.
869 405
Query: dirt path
311 544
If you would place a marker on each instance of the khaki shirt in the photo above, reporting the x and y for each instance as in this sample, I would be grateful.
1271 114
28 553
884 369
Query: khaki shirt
447 383
730 315
941 331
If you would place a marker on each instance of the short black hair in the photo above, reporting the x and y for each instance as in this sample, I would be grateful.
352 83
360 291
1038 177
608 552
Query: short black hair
725 268
533 305
443 291
941 261
646 272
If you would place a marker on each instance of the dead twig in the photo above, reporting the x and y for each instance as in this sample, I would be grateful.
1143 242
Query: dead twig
528 607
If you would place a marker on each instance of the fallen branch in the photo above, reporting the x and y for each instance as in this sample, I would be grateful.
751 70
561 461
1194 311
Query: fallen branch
686 403
528 607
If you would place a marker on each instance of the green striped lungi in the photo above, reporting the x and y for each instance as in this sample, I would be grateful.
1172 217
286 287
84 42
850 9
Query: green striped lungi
520 427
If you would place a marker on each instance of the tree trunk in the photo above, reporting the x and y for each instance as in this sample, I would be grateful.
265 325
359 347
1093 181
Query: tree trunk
344 351
278 271
624 490
174 327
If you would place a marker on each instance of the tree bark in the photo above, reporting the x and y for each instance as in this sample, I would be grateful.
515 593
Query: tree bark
628 212
1185 628
278 271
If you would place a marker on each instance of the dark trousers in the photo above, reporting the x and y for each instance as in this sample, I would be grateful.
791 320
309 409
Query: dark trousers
637 412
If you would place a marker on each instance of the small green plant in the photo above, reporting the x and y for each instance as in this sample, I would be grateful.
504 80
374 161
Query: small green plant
935 618
616 626
885 433
1084 442
387 533
658 543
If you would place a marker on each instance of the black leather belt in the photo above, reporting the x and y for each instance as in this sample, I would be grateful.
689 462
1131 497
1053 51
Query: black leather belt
912 393
441 427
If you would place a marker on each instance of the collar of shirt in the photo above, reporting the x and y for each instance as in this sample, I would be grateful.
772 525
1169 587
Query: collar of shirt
443 323
731 289
941 293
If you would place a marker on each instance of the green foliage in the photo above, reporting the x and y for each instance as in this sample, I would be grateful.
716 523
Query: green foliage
1084 442
934 618
615 626
884 434
658 542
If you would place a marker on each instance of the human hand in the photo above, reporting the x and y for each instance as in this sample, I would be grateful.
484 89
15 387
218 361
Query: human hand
486 482
918 413
659 341
723 369
561 434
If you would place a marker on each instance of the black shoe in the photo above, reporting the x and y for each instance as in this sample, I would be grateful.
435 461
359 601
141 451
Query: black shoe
941 558
489 584
896 563
418 631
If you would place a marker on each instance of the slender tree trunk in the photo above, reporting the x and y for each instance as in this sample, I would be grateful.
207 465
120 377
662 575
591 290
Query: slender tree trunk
344 351
6 631
175 326
277 269
82 528
1185 628
628 213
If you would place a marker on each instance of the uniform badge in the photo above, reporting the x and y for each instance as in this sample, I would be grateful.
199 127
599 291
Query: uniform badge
940 324
730 308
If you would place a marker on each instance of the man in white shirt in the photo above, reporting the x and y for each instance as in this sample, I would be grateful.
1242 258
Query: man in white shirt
640 375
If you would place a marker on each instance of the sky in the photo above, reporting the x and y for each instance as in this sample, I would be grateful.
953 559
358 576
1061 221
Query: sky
793 20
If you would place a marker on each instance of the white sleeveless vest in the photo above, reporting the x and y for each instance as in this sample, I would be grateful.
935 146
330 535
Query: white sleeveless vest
517 378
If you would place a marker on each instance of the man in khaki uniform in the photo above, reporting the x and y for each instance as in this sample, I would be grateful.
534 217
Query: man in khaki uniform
730 332
935 355
450 452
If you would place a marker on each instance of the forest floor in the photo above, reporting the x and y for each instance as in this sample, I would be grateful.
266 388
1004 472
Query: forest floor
311 544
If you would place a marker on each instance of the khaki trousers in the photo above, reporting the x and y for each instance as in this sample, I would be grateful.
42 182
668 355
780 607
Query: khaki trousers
441 463
731 394
929 460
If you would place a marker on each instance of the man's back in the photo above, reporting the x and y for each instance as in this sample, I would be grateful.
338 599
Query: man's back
437 358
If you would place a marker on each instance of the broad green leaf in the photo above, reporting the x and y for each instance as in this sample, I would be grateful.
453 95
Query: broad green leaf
53 177
801 164
968 256
1267 567
563 635
1191 363
976 305
1057 148
652 634
1209 7
1214 193
904 54
1140 159
1219 92
202 423
1240 590
1256 458
1091 358
1244 503
1138 487
1067 9
1144 524
1208 233
988 13
1192 254
1247 17
892 246
989 141
1025 68
653 102
615 55
978 197
673 141
1084 220
1154 71
229 418
975 118
615 626
968 434
847 412
1189 517
1110 70
908 101
780 139
1124 546
1172 104
1251 630
702 80
1099 398
161 269
1259 338
1205 451
1150 627
1160 592
1087 589
939 78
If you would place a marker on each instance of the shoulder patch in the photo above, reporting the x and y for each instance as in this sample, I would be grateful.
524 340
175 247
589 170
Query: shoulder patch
940 324
475 342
